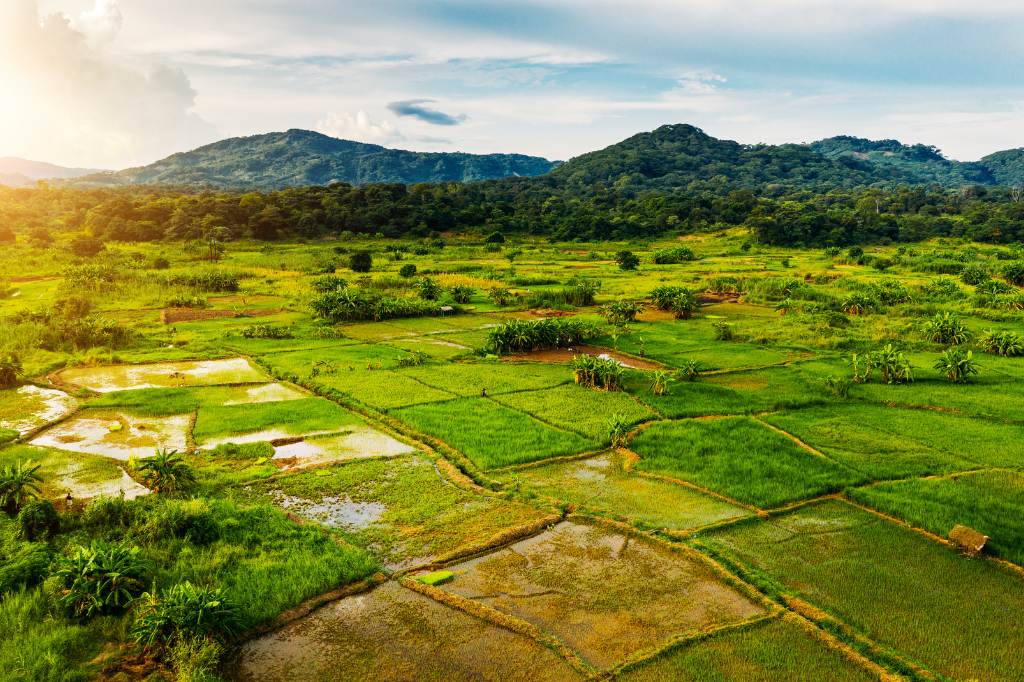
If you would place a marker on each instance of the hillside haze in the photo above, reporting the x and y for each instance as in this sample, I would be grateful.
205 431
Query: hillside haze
16 172
298 158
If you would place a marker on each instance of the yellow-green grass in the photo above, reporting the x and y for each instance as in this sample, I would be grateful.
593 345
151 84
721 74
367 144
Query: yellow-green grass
769 651
673 343
268 421
728 394
166 401
741 459
602 483
354 356
990 502
582 410
65 471
432 345
300 343
956 616
420 516
468 379
382 389
491 435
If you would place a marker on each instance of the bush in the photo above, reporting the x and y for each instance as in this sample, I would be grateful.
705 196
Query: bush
7 435
627 260
832 252
461 294
195 659
882 264
165 473
1013 273
492 248
855 252
677 254
957 365
894 365
597 373
1002 342
10 370
360 261
101 579
407 271
243 451
723 331
945 329
974 275
161 263
187 302
39 520
516 336
495 238
185 612
266 331
621 311
428 288
86 247
327 283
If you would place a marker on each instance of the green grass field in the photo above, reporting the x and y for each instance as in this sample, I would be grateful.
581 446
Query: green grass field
579 409
290 417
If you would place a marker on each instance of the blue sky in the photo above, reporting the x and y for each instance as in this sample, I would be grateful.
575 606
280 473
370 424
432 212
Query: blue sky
553 79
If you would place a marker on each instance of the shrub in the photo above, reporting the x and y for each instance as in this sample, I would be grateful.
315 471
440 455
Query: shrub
659 382
597 372
689 370
621 311
832 252
1013 272
499 295
360 261
855 252
210 279
7 435
101 579
492 248
618 426
859 304
328 283
161 263
86 247
974 275
185 612
723 331
243 451
407 270
39 520
580 295
348 304
187 302
10 370
840 388
945 329
195 659
266 331
428 288
882 264
890 292
165 473
627 260
513 253
894 365
462 294
1002 342
18 485
495 238
24 564
516 336
684 305
957 365
677 254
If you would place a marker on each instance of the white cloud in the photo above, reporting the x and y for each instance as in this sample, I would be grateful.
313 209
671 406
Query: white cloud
360 128
65 101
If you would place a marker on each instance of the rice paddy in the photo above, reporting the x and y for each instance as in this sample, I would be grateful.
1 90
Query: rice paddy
680 528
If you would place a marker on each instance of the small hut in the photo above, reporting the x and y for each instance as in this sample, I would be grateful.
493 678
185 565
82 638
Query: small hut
970 540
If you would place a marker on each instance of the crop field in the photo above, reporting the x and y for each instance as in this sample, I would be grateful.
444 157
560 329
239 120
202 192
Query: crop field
568 476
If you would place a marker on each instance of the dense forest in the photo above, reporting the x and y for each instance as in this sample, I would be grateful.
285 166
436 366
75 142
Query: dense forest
675 180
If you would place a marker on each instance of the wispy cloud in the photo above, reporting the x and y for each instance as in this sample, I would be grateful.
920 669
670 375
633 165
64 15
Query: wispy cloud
411 107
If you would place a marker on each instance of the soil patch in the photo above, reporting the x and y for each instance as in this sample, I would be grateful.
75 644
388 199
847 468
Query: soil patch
117 435
393 634
708 298
565 355
108 378
582 267
173 315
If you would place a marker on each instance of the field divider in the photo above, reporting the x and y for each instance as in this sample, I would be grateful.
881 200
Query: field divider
1008 565
799 442
552 460
631 458
35 431
503 620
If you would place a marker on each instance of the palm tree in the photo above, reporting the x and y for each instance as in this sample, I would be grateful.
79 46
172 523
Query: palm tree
17 484
10 370
165 473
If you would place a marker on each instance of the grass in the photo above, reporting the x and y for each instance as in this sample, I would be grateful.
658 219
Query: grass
290 417
491 435
575 408
880 578
167 401
989 502
423 516
741 459
467 379
383 390
770 651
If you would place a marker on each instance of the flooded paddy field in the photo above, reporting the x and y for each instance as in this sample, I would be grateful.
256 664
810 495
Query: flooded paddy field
28 407
357 444
393 634
163 375
118 435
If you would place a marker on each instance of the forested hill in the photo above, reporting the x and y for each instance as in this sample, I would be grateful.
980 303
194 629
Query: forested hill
300 158
890 158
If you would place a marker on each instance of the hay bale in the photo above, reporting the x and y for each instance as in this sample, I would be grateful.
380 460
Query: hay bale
970 540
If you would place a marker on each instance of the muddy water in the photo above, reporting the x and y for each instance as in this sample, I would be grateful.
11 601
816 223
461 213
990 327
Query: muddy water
394 635
70 481
28 407
604 595
565 355
602 482
91 432
355 445
163 375
334 511
268 393
264 436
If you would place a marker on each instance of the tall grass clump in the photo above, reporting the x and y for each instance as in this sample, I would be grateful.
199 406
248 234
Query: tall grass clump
521 336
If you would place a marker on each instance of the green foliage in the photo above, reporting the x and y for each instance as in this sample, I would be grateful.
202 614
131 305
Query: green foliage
894 365
349 304
428 288
210 279
414 359
689 370
266 331
946 329
685 304
327 283
102 579
974 275
243 451
11 370
677 254
627 260
890 292
38 520
360 261
495 238
462 294
597 372
165 472
7 435
618 429
621 311
185 611
832 252
837 387
513 253
957 365
18 484
859 303
500 296
1013 272
187 302
659 381
1002 342
195 659
520 336
723 331
407 270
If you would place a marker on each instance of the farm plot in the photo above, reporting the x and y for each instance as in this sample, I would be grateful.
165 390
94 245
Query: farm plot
164 401
879 577
395 634
491 435
432 346
603 593
401 508
467 379
602 482
359 443
673 343
351 358
28 407
270 421
990 394
855 436
382 390
771 651
988 501
83 475
116 434
164 374
575 408
741 459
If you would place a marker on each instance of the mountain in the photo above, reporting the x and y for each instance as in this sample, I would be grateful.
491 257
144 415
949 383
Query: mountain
926 163
301 157
15 172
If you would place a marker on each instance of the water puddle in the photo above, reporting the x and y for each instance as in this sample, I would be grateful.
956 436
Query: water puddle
605 594
28 407
117 435
393 634
565 355
71 481
163 375
264 436
334 511
268 393
357 444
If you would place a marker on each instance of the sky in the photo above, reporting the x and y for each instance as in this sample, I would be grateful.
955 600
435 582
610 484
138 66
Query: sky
119 83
